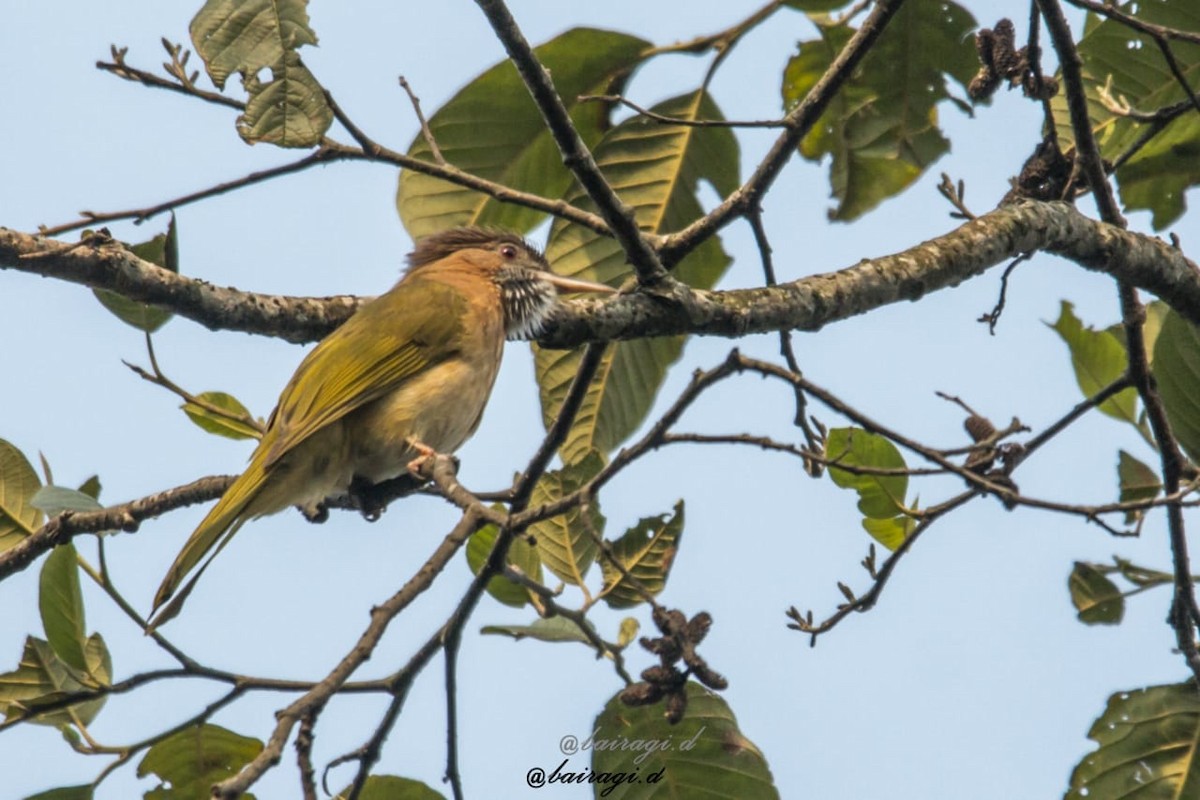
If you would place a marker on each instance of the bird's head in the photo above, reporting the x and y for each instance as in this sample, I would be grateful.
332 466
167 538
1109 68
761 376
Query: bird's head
527 286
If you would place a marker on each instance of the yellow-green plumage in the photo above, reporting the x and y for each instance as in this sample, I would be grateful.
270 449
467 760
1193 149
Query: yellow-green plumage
416 363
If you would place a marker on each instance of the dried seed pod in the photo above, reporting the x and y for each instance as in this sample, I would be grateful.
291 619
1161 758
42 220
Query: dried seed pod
709 677
979 428
698 627
662 676
676 707
641 694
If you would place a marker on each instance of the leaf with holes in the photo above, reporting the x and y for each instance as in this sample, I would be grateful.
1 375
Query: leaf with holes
195 758
645 552
1149 747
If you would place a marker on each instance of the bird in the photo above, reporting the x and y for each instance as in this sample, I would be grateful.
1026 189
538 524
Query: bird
406 376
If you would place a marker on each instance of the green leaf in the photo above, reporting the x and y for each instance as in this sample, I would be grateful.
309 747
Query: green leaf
389 787
881 128
554 629
1097 599
704 756
41 677
192 760
1135 73
1098 358
493 129
91 487
655 168
566 544
18 484
1177 370
879 496
65 793
521 554
646 551
815 6
1149 747
61 604
249 36
289 110
221 425
56 499
1138 482
163 251
890 532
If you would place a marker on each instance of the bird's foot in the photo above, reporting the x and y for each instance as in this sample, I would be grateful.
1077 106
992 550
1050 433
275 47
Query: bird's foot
317 513
369 498
427 453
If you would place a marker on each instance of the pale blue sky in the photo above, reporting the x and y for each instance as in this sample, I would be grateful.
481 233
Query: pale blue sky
971 677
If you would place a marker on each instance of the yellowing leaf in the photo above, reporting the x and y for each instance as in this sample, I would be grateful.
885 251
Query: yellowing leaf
18 484
228 425
646 552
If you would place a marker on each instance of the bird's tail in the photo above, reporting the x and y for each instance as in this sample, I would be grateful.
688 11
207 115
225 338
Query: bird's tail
212 534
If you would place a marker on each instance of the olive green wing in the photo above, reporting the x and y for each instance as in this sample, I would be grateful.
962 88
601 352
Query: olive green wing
413 327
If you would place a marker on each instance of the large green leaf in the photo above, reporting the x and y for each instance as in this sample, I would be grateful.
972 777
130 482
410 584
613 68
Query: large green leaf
880 497
1177 370
1098 358
18 484
567 543
60 602
163 251
1134 71
655 168
1149 747
83 792
703 757
42 677
249 36
192 760
646 552
492 129
881 128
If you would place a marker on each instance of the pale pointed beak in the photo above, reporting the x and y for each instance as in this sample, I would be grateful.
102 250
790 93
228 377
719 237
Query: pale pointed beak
569 285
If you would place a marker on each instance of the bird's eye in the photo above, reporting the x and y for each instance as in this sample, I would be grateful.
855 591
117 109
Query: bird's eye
508 251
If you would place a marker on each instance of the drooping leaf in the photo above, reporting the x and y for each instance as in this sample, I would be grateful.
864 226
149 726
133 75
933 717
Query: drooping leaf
880 497
249 37
41 678
390 787
1130 68
707 755
162 251
189 762
1149 747
521 554
289 110
56 499
60 602
1177 370
228 426
655 168
881 130
492 129
1098 358
567 543
18 484
1138 482
554 629
645 551
1097 599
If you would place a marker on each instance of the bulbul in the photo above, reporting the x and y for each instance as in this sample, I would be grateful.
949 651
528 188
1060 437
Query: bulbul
407 375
